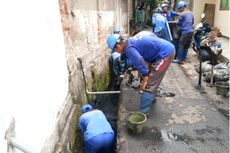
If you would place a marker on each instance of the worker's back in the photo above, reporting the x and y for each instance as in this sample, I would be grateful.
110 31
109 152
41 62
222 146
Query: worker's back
93 123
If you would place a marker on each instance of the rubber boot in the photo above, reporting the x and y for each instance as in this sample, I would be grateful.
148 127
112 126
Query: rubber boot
147 98
179 55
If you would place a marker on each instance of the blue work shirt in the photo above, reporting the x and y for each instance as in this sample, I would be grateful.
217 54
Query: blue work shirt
170 14
144 49
159 21
185 22
160 24
94 123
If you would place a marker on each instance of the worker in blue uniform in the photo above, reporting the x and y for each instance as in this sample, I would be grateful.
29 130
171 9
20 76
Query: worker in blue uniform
160 25
98 133
185 25
167 12
151 56
118 63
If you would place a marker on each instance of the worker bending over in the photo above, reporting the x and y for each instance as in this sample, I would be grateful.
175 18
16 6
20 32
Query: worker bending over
151 56
98 133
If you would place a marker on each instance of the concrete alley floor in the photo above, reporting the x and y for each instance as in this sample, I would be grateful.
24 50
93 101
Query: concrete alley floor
191 122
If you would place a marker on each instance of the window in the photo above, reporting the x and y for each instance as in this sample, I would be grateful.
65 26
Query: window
224 4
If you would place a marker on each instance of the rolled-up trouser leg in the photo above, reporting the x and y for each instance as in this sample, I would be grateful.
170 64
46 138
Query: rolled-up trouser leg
147 98
158 70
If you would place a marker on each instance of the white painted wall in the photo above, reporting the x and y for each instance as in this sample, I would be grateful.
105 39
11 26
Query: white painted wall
222 19
34 77
198 9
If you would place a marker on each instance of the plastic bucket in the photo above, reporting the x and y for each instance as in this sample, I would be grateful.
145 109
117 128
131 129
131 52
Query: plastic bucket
136 121
222 88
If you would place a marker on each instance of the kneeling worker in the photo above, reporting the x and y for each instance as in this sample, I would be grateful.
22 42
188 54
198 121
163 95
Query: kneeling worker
98 133
151 56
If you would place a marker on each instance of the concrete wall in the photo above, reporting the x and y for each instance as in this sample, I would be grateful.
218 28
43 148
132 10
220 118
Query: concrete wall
221 18
42 85
198 9
34 75
86 24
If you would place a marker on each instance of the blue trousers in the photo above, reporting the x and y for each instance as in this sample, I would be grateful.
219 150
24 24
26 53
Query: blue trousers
184 43
101 143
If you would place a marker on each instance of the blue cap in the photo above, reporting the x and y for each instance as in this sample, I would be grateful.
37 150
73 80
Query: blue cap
159 10
180 4
86 108
164 5
116 30
112 40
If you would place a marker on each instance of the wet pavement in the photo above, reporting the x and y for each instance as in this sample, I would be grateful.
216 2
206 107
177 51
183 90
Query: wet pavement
191 122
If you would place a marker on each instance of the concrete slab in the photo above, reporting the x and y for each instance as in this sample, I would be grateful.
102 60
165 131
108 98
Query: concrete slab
187 122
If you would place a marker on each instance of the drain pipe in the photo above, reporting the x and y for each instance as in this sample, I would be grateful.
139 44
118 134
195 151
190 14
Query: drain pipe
15 144
12 143
96 92
83 73
102 92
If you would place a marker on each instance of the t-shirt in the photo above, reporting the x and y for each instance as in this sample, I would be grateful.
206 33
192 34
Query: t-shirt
185 22
94 123
145 48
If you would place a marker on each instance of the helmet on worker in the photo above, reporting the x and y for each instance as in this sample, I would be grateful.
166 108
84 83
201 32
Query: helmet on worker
159 10
164 5
112 40
180 5
116 31
86 108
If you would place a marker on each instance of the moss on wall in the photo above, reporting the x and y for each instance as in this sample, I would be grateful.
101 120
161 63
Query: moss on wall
76 136
101 81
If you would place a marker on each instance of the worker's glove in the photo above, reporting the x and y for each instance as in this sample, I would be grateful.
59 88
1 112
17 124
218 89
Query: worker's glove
144 82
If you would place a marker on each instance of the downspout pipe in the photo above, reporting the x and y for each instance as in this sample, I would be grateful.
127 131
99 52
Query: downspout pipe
83 73
97 92
15 144
102 92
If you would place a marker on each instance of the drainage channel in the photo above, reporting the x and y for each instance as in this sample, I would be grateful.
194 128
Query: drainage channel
108 104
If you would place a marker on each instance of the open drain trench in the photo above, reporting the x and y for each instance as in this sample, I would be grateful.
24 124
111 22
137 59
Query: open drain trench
107 102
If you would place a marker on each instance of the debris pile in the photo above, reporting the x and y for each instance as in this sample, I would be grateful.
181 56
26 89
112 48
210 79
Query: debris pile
220 71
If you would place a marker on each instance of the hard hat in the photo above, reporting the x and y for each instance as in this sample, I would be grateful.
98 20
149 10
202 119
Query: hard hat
159 10
164 5
167 2
112 40
86 108
180 4
116 30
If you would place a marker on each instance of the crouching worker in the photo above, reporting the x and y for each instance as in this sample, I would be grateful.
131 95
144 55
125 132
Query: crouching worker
98 133
151 56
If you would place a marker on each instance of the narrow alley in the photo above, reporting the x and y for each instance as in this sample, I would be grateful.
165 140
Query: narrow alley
190 122
56 56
